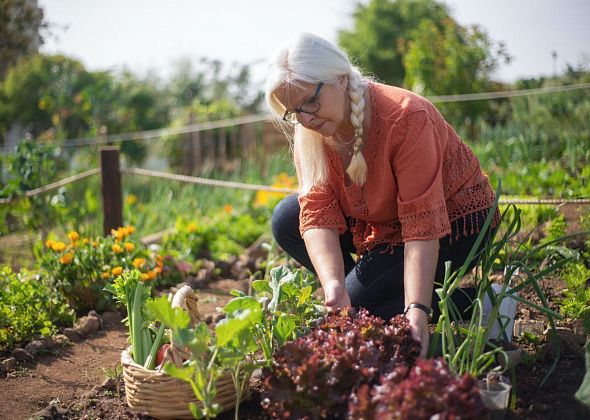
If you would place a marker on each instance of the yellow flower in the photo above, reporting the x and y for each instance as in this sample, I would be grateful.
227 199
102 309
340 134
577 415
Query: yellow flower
152 274
118 234
145 276
117 248
131 199
130 230
228 208
117 271
94 244
66 258
106 275
192 227
138 262
58 246
49 243
74 236
129 247
85 241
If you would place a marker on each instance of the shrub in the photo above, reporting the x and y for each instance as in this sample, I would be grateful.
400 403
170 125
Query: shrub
82 267
29 308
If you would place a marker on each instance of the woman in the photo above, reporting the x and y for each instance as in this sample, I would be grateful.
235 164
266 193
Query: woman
382 175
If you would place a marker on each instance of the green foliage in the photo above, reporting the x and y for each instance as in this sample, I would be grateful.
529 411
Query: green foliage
281 309
218 236
444 58
576 296
382 33
465 348
29 308
20 23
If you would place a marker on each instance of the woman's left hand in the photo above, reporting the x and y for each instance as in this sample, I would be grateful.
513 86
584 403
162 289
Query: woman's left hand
419 327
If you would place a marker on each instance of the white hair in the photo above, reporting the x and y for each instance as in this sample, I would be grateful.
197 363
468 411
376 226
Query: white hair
312 59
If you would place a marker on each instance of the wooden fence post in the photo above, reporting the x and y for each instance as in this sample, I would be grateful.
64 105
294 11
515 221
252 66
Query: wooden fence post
112 200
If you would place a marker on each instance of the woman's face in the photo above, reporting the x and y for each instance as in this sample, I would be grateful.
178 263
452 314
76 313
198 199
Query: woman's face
333 114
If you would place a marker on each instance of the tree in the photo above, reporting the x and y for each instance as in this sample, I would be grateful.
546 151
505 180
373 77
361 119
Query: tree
450 59
382 31
20 22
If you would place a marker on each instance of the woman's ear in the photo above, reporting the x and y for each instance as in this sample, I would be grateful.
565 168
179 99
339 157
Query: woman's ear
344 81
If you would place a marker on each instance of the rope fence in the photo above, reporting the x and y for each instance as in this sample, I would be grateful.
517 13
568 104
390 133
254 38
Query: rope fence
251 187
210 125
53 185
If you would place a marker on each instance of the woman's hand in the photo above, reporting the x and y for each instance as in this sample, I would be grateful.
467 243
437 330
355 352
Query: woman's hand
419 327
335 295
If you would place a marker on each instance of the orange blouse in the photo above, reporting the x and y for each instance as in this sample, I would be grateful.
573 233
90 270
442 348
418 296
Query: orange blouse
421 178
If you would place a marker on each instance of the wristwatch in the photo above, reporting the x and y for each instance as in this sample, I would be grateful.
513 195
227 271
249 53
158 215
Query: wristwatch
415 305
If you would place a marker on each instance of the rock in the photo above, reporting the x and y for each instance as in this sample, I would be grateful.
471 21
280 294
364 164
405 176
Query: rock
257 251
73 334
529 326
570 344
60 340
22 355
37 346
203 275
9 364
111 318
95 314
87 325
52 411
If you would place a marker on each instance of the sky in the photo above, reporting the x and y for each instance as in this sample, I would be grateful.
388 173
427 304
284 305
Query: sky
153 35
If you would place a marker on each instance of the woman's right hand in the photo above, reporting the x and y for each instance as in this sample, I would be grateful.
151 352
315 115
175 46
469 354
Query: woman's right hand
335 295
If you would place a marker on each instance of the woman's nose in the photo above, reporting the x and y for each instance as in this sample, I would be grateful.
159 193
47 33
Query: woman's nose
304 118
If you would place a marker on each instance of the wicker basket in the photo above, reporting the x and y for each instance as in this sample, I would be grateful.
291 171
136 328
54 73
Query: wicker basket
164 397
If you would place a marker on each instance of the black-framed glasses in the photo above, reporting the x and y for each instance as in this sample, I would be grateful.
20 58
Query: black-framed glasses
311 106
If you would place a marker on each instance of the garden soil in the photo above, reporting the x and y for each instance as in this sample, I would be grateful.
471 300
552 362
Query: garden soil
77 382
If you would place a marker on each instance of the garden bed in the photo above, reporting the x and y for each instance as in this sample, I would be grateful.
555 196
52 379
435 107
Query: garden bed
76 378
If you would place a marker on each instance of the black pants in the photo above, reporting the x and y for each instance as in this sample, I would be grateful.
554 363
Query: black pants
376 282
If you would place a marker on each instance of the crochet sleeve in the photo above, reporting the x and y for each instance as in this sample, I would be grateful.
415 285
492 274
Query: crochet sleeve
417 164
319 208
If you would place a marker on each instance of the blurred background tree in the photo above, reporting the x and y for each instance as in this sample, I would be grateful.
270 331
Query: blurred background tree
417 44
20 25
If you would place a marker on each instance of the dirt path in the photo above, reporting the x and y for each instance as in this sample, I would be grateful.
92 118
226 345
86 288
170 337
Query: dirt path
64 377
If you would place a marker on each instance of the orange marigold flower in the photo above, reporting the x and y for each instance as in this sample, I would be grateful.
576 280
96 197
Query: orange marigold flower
106 275
228 208
138 262
66 258
49 243
118 234
58 246
85 241
117 271
129 247
152 274
74 236
145 276
117 248
192 227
